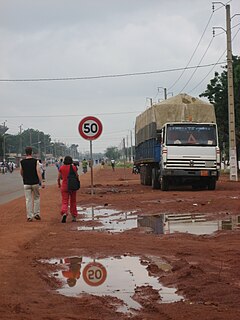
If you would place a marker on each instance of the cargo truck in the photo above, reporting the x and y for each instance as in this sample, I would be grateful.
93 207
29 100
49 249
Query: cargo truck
176 143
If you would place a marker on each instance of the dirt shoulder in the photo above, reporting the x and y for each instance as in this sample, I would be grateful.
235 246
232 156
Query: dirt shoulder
204 268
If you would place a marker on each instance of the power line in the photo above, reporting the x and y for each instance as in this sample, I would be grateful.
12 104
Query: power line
224 32
213 66
192 53
198 64
222 5
68 115
207 73
214 10
105 76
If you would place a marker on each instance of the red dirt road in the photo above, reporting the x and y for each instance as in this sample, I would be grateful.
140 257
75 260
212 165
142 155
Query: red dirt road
204 268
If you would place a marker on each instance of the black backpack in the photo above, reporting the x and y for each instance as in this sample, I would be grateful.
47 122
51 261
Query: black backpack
73 181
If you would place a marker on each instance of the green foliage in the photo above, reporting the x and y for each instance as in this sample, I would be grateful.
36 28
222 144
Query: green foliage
112 153
217 94
39 141
122 164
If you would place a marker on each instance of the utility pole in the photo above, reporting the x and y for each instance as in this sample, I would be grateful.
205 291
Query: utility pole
4 141
20 140
39 151
124 159
131 146
55 148
164 91
151 101
45 148
127 149
231 112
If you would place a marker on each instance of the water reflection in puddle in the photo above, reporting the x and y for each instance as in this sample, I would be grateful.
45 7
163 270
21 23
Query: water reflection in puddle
118 277
109 219
186 223
115 221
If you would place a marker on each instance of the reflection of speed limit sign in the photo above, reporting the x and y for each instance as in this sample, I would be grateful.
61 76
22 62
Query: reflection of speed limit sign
90 128
94 274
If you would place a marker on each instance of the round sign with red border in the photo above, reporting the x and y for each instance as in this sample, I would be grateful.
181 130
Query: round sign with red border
90 128
94 274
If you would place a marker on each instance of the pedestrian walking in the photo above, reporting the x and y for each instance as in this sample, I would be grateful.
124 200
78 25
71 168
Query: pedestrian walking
66 194
59 164
84 165
30 172
102 164
42 166
44 170
41 169
113 164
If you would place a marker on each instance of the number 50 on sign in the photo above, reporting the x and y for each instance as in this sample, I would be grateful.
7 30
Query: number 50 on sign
90 128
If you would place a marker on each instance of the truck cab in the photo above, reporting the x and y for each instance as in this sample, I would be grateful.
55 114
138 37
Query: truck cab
189 155
177 144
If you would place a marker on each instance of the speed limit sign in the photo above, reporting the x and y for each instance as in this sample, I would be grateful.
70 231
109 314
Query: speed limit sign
94 274
90 128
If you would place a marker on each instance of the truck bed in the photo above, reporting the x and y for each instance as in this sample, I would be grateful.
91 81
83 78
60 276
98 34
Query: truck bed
148 152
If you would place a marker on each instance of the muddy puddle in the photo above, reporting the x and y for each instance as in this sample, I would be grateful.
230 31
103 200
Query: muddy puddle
110 220
107 219
125 278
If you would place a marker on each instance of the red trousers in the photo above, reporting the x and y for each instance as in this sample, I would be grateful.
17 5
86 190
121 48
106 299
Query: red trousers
66 196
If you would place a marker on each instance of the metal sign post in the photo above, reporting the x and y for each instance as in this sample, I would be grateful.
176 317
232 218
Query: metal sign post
90 128
91 164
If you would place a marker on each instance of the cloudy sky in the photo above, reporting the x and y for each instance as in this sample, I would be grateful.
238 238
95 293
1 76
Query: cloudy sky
80 41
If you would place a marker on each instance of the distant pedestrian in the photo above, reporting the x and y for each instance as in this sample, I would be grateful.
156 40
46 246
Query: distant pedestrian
44 165
66 194
10 166
41 169
59 164
30 171
84 165
102 163
113 164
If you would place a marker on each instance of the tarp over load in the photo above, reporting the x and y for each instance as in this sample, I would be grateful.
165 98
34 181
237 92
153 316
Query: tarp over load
176 109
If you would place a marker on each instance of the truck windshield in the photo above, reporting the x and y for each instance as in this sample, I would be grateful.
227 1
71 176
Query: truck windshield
191 134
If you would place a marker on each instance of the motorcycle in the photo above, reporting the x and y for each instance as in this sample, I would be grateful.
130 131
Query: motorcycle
135 169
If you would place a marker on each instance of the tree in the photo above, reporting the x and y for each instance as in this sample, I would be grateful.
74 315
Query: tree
3 130
73 151
38 140
217 94
112 153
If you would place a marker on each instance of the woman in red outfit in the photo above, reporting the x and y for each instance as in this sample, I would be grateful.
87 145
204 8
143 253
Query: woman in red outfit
67 195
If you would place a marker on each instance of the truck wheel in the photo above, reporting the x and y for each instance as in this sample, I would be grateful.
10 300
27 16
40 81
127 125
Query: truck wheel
212 184
148 176
164 184
155 179
142 174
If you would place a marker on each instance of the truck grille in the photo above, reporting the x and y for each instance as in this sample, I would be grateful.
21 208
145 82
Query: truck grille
190 163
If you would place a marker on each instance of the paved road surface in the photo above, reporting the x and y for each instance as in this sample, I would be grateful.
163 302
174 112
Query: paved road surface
11 185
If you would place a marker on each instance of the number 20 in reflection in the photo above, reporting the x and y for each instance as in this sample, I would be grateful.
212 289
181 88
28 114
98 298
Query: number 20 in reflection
94 274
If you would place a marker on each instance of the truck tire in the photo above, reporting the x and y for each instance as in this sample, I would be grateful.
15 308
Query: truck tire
211 184
155 179
142 175
148 176
164 184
